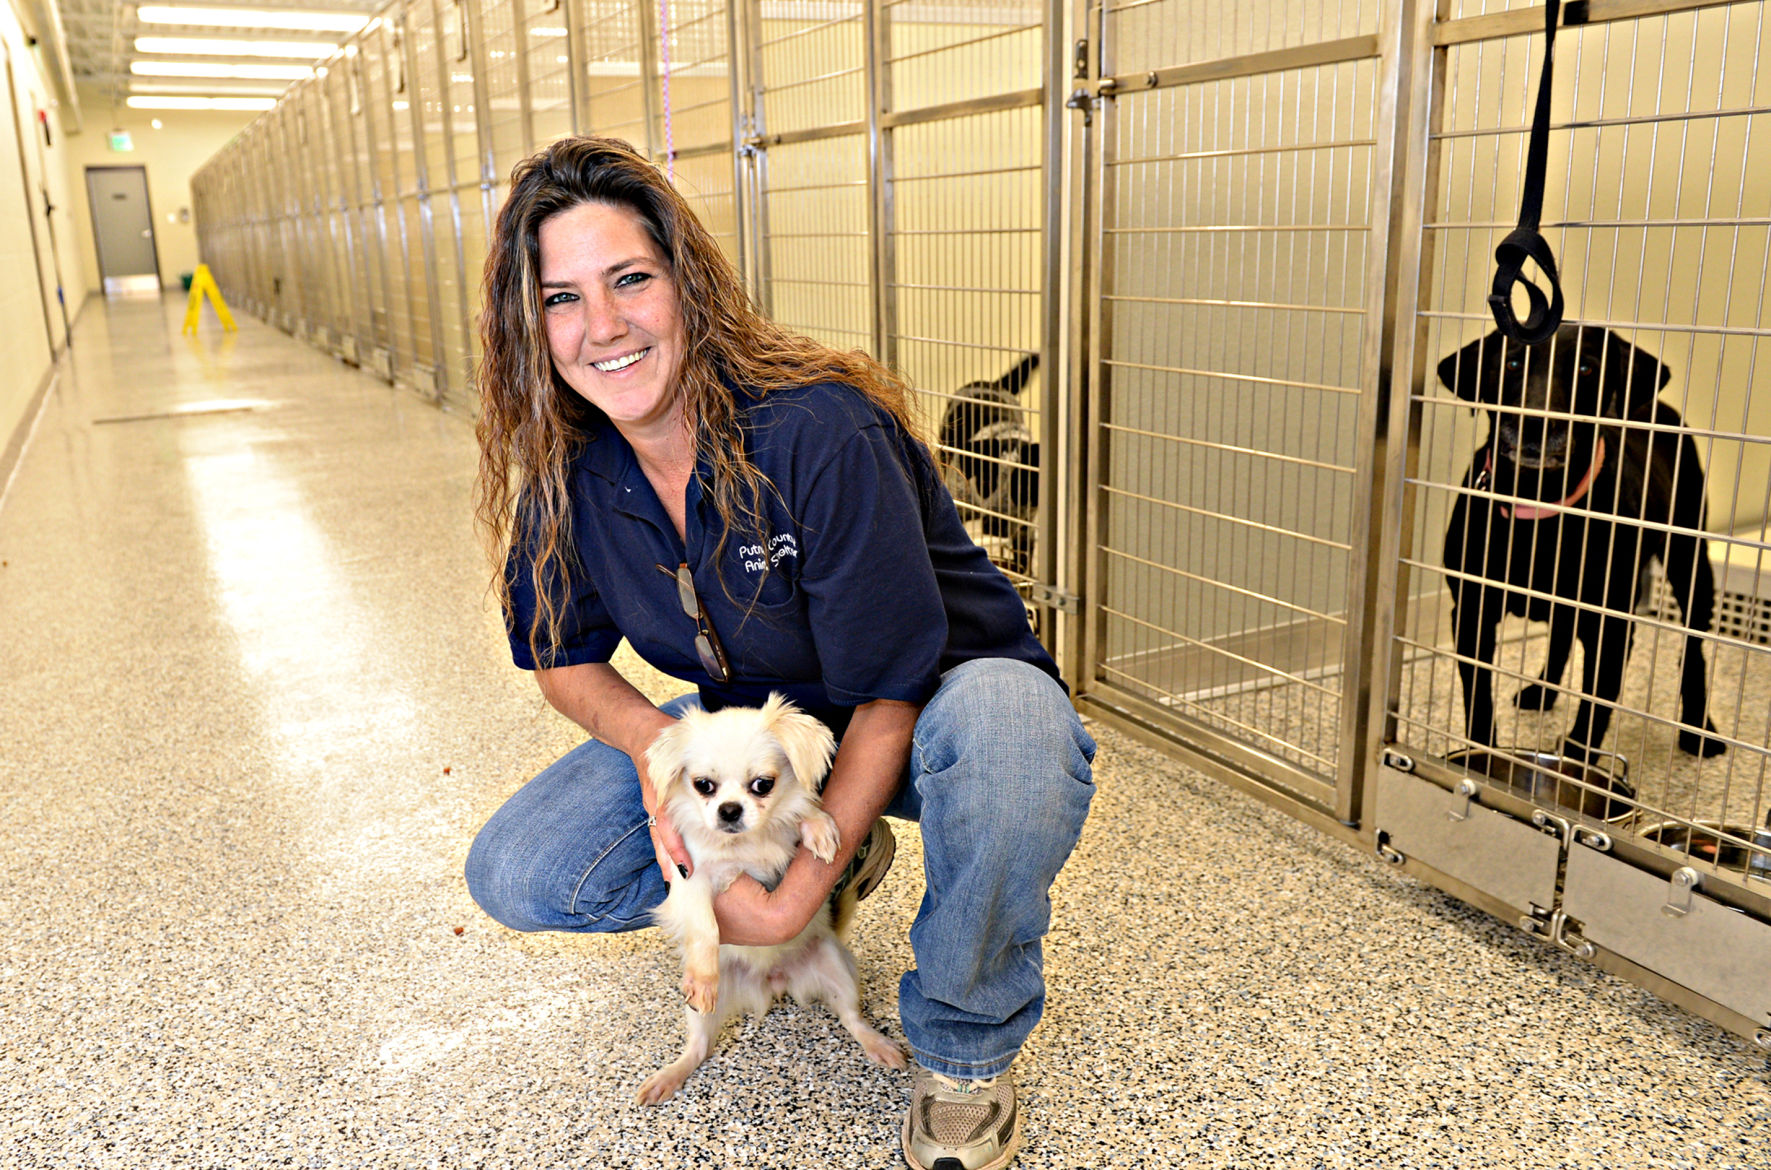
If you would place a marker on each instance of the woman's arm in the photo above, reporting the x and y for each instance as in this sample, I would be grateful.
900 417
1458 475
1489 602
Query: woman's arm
595 697
868 769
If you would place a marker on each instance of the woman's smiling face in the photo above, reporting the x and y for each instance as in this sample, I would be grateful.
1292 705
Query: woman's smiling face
614 323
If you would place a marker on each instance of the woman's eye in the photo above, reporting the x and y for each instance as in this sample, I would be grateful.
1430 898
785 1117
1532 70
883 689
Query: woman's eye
559 298
631 279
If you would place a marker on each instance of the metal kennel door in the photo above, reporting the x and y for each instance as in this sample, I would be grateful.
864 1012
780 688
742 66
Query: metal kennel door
966 257
904 161
814 264
1232 358
1653 862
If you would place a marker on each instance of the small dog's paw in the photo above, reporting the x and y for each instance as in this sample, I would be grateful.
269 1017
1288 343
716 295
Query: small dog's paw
701 990
1693 744
884 1050
661 1086
819 834
1535 697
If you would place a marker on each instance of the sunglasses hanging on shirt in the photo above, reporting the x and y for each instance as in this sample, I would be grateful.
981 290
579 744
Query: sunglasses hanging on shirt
707 647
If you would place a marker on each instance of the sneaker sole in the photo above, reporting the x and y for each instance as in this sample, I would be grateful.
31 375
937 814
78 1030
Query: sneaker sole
888 851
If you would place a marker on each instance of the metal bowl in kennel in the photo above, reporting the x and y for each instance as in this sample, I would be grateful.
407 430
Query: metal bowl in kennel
1725 846
1598 788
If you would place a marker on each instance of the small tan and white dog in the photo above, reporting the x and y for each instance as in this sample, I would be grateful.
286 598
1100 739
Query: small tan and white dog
741 786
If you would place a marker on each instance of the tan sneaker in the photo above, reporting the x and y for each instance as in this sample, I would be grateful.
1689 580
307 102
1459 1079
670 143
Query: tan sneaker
961 1125
871 861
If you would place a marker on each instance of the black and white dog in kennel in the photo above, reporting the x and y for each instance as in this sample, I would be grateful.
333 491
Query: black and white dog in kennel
991 462
1588 475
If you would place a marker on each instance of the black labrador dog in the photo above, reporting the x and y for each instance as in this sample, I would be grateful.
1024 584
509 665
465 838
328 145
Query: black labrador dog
1581 496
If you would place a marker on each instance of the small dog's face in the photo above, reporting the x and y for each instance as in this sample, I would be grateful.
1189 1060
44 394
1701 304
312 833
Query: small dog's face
1546 401
733 771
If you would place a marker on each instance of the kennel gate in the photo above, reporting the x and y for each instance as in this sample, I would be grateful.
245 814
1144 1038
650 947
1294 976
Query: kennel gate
1658 208
1240 252
1291 215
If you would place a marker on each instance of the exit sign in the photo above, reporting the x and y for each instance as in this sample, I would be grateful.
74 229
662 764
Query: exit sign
120 140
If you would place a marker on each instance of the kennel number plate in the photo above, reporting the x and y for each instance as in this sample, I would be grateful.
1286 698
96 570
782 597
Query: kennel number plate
1491 851
1710 948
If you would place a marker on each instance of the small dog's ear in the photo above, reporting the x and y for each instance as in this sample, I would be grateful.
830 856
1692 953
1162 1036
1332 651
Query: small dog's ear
1462 372
1634 378
664 758
806 741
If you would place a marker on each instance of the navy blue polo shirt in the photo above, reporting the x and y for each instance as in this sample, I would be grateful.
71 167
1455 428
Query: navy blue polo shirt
863 584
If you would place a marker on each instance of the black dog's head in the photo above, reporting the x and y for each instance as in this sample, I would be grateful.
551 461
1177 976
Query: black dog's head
1546 402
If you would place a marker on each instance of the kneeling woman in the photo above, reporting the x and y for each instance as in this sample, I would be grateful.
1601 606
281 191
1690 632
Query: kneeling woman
754 512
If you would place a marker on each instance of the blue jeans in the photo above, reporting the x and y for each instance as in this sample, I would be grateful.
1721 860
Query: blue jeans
1000 780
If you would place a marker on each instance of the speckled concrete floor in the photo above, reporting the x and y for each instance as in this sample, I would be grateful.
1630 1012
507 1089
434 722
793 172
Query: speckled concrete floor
255 705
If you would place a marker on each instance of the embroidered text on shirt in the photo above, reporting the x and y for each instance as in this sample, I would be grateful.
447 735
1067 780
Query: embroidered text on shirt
757 559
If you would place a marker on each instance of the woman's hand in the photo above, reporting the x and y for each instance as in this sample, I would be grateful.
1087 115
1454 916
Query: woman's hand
596 697
751 916
667 844
866 772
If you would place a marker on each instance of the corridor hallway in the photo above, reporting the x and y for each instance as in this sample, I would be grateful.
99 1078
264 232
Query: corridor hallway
256 702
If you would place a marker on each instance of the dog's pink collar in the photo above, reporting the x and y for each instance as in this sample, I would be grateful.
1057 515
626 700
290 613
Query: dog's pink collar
1539 511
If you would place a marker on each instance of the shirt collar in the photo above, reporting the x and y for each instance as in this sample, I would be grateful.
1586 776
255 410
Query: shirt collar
610 458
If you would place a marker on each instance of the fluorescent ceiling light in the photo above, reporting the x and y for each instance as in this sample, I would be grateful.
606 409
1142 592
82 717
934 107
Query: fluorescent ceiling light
199 88
344 22
220 69
221 47
200 103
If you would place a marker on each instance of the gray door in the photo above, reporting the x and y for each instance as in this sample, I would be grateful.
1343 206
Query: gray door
124 228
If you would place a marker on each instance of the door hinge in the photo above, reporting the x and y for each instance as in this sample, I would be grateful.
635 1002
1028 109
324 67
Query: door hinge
1050 595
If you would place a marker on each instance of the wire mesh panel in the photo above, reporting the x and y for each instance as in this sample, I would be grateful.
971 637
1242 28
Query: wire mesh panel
815 204
376 116
504 115
286 284
691 98
1234 227
318 269
345 135
615 88
469 176
437 199
414 41
964 279
335 211
1586 575
547 71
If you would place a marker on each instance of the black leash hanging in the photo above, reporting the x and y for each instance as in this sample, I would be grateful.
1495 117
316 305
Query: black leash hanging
1524 242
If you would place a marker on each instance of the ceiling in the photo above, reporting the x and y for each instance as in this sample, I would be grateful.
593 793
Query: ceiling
101 34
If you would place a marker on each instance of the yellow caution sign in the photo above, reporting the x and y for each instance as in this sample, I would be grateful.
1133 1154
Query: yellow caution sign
203 284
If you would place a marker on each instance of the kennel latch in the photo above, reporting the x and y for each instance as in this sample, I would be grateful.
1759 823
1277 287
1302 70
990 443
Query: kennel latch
1678 898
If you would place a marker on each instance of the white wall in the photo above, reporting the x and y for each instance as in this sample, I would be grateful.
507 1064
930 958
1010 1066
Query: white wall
29 280
172 154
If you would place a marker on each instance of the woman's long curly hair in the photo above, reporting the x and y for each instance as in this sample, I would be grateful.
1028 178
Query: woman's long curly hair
531 423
